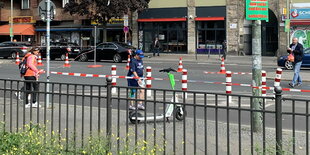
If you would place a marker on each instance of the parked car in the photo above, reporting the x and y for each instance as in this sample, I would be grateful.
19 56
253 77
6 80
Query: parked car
107 51
60 49
9 49
283 62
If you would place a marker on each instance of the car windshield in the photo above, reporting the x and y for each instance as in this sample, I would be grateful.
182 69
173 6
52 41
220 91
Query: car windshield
125 45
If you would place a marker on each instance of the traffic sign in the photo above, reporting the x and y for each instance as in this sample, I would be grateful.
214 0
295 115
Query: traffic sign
126 29
42 10
126 20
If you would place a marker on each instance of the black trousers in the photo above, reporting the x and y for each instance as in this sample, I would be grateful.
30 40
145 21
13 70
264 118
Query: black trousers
31 86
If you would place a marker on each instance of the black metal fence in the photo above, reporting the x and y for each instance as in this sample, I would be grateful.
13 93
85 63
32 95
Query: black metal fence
213 123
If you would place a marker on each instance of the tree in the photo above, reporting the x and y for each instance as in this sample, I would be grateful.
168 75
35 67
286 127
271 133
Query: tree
103 10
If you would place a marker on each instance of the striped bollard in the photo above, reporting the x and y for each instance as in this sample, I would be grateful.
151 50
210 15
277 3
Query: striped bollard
184 81
264 83
148 81
223 69
228 85
17 61
128 63
113 73
277 79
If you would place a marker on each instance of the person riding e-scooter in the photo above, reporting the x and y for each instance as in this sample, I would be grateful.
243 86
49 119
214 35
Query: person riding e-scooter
136 70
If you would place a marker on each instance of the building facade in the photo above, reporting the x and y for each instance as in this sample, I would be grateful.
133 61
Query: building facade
197 26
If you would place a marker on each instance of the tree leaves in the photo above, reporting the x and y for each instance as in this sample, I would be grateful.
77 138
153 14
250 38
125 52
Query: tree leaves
103 10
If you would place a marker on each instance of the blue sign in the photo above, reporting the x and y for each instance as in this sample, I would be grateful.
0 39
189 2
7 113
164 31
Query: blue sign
300 13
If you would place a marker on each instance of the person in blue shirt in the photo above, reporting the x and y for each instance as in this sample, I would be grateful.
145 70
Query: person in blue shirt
136 70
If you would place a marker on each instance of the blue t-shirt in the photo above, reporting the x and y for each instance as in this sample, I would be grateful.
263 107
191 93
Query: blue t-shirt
136 66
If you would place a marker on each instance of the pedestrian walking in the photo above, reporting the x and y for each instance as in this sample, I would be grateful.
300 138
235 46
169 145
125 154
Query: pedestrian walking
136 70
156 46
31 77
298 52
224 47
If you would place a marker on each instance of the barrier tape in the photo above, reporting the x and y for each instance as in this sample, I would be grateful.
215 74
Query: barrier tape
191 81
235 73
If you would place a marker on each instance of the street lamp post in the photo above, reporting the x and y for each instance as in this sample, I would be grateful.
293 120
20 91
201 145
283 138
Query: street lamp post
11 20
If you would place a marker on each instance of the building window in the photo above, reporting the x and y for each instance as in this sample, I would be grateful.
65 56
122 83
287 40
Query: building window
210 35
64 2
25 4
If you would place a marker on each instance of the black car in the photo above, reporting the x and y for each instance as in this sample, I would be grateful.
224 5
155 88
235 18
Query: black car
60 49
107 51
9 49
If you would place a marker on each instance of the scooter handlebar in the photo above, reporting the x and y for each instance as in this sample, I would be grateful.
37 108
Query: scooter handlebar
167 70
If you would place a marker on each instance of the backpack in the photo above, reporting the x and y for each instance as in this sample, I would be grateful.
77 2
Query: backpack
23 67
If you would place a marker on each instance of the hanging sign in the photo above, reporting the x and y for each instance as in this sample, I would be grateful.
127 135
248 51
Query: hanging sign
256 10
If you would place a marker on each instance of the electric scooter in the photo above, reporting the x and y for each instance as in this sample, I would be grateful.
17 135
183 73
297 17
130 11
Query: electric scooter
177 111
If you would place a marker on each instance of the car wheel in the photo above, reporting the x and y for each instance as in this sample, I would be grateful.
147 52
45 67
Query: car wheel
63 57
117 58
13 55
83 57
288 65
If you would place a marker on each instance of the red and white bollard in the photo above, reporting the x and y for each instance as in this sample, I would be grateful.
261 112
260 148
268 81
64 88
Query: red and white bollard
277 80
264 83
184 81
228 85
180 68
223 69
67 64
40 60
148 81
113 73
17 59
128 62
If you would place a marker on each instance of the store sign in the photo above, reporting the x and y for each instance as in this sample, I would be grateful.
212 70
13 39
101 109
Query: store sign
257 10
22 19
111 21
300 13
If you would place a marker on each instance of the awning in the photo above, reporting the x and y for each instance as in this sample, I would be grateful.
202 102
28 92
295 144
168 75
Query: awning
209 18
300 22
18 29
162 20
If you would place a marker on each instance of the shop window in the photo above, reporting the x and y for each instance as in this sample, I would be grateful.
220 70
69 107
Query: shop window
25 4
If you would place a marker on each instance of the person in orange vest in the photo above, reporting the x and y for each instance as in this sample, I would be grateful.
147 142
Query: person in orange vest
32 74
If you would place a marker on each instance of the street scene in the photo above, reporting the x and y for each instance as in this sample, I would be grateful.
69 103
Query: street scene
154 77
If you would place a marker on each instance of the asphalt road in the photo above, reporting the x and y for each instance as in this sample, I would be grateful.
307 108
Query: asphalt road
195 72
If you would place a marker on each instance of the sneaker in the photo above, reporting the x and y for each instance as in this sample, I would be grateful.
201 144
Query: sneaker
28 105
141 107
17 94
35 105
298 84
291 85
131 107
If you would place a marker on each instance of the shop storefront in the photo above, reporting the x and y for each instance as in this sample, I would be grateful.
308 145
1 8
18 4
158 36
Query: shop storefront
210 29
168 24
300 25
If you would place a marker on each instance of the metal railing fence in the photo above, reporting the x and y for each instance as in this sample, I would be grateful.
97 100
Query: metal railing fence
212 123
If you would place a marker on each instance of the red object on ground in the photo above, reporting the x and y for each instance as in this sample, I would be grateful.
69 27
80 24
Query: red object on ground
67 64
180 68
17 59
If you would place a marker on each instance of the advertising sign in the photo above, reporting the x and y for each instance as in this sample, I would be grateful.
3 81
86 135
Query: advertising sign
303 13
256 10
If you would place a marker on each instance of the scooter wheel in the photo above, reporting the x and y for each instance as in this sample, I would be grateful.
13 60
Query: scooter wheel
132 117
179 113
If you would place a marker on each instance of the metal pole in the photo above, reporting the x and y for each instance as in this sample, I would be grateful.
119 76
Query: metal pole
109 111
278 91
256 73
125 37
288 10
11 20
95 47
48 20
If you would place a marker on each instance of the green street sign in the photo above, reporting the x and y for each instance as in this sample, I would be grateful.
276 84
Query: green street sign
11 32
256 10
287 25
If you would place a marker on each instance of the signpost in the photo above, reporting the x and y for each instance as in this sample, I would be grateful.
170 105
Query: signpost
11 28
46 7
126 29
257 10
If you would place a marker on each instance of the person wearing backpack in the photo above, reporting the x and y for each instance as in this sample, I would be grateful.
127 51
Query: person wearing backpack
32 74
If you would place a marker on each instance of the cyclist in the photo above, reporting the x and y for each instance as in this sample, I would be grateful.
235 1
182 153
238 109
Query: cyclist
136 70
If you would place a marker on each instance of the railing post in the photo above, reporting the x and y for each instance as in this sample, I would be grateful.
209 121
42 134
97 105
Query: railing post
278 91
109 111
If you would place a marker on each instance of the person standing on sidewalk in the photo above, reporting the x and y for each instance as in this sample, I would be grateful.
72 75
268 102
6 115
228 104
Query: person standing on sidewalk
298 51
136 70
156 46
31 77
